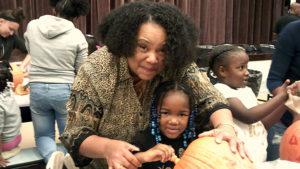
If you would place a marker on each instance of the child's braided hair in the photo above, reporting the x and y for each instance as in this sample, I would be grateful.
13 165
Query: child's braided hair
219 55
159 94
5 75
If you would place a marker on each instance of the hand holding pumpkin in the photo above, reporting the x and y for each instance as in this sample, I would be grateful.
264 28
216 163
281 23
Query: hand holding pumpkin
118 155
160 152
227 133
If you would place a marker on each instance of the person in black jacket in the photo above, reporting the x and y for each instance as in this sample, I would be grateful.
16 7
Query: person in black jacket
9 25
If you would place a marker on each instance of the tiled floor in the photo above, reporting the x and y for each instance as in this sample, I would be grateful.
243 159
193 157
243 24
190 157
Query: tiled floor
28 135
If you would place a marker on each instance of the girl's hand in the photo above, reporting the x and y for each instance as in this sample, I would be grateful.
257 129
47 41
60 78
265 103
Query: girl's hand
3 162
118 155
283 89
227 133
160 152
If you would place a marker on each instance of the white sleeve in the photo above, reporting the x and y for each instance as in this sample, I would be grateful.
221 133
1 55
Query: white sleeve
226 90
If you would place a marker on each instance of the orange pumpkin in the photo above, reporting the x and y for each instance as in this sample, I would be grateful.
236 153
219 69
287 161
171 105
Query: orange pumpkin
290 143
22 90
18 75
205 153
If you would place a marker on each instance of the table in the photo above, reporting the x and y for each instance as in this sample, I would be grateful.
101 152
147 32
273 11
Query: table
23 102
255 56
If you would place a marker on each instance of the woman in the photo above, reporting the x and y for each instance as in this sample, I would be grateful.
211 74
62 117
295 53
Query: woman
57 49
9 25
145 43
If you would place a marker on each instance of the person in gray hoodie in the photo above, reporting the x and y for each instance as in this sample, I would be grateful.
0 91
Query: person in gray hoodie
57 49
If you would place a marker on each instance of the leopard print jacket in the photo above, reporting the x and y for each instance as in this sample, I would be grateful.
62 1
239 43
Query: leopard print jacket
103 102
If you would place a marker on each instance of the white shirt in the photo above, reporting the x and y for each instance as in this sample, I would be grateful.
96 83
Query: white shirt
254 135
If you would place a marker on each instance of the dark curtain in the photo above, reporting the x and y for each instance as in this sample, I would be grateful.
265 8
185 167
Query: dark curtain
220 21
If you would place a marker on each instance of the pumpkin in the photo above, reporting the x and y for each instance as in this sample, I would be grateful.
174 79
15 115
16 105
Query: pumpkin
22 90
205 153
17 74
290 143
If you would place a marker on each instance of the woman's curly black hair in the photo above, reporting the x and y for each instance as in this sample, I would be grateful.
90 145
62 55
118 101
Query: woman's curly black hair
5 75
118 30
218 56
70 9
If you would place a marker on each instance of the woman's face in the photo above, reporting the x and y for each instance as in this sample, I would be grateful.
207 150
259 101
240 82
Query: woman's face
148 60
8 28
174 114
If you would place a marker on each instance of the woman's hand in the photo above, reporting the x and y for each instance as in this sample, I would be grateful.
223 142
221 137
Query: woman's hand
293 88
3 162
118 155
227 133
160 152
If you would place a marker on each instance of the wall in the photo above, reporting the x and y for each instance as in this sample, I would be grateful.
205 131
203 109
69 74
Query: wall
220 21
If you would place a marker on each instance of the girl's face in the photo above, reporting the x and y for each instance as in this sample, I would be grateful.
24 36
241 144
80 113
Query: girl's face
149 54
174 111
8 28
235 74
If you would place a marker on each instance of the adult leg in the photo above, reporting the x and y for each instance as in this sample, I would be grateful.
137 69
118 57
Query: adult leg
59 96
274 138
43 119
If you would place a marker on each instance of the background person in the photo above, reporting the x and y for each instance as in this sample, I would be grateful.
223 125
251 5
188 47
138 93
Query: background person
57 49
9 25
146 43
10 116
285 65
293 15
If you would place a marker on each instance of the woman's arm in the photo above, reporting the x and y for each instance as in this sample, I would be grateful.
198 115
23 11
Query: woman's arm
81 136
225 130
82 53
114 151
25 61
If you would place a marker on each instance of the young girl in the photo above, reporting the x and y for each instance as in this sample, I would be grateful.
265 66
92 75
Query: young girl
171 128
229 65
10 116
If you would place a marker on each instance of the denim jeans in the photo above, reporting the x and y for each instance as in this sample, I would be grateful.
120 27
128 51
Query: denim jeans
47 104
275 134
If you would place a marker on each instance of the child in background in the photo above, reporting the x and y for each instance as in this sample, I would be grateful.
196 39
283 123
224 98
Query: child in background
92 43
171 128
229 65
10 117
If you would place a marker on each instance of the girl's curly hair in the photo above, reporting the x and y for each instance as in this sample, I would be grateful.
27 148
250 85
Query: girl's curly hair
118 30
